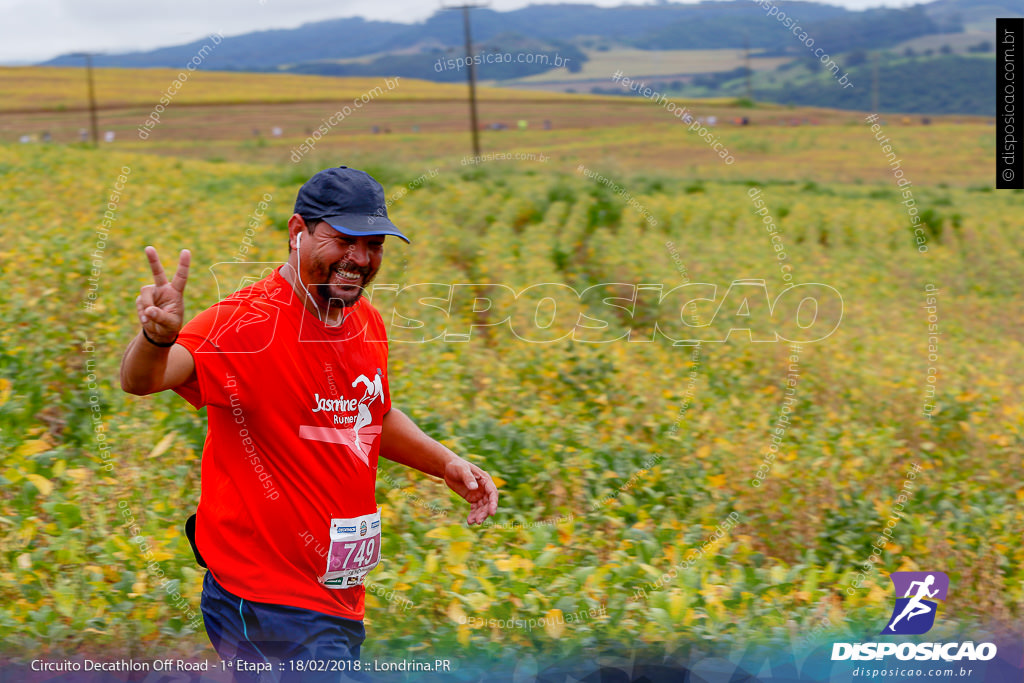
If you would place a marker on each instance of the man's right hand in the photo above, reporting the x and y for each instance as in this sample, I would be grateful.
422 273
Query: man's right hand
147 368
161 305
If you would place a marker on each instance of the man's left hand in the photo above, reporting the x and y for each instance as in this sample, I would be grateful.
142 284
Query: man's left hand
473 484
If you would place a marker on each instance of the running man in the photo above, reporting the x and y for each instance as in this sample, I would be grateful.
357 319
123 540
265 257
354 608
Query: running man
915 607
277 474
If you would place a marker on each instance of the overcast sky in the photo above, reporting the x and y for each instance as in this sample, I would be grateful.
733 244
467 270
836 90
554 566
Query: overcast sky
36 30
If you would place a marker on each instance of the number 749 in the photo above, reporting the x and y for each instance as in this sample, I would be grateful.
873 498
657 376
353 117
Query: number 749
364 554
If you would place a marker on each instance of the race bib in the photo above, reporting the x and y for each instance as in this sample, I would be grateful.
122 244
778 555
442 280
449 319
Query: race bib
355 550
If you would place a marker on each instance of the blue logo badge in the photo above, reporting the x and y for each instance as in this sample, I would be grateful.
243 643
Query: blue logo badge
915 609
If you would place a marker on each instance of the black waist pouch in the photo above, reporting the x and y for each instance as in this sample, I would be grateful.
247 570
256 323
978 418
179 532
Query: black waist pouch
190 532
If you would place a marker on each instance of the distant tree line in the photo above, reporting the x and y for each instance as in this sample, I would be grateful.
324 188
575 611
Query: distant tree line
747 24
944 84
493 62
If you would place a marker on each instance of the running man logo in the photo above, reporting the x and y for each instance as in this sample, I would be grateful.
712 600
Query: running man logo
360 437
914 613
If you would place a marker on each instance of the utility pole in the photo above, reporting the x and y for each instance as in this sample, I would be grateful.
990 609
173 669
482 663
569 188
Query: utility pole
471 74
746 49
874 82
92 95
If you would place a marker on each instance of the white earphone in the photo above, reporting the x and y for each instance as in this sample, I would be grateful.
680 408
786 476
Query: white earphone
298 260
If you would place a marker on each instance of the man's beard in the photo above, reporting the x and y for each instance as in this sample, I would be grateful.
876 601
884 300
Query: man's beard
334 289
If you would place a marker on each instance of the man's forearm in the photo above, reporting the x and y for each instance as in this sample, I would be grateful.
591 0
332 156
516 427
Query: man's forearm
143 366
147 368
403 442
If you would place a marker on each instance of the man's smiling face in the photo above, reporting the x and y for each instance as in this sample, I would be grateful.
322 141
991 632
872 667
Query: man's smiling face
338 266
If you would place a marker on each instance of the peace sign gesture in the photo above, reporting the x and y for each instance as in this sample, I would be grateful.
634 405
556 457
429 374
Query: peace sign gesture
161 305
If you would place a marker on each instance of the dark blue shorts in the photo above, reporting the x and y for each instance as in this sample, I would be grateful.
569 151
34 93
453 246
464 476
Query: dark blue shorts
295 644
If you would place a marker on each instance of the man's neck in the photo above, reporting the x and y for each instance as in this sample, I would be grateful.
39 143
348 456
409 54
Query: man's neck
335 316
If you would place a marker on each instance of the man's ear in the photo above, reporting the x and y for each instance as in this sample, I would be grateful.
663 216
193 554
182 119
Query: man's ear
295 226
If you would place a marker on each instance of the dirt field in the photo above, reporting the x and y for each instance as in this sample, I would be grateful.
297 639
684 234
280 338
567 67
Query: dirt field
617 134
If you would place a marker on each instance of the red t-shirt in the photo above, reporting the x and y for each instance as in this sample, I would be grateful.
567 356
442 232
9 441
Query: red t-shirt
294 411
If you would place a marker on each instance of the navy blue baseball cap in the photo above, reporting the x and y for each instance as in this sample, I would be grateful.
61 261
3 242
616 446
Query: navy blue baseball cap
349 200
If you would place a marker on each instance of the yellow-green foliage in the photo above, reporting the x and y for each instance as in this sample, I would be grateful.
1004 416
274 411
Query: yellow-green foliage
58 88
611 470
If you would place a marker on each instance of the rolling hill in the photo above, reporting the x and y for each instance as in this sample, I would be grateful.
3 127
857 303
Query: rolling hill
698 50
